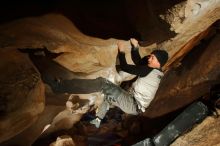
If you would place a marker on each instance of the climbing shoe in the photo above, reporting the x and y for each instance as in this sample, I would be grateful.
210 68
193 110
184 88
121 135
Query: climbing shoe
96 122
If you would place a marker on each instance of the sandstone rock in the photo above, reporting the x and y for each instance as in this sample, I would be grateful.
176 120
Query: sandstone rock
66 118
62 37
188 21
63 141
80 53
21 93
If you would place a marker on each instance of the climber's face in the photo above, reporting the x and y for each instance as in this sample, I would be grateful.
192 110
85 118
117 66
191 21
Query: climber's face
153 62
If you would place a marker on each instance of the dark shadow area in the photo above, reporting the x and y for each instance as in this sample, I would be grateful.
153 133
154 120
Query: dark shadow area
121 19
148 128
11 9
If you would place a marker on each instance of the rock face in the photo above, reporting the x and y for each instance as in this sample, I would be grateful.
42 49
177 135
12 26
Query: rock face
21 94
79 53
61 37
63 141
188 19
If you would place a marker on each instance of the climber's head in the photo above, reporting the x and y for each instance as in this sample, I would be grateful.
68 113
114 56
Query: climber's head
157 58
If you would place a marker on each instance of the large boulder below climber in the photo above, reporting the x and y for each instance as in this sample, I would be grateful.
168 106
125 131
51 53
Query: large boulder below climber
21 93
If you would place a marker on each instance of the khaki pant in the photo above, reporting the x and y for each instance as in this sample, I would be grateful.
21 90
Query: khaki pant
116 96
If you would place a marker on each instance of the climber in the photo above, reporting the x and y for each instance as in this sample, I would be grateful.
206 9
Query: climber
143 90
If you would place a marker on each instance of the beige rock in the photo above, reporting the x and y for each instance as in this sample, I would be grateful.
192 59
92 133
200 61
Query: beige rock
80 53
63 141
66 118
21 92
188 21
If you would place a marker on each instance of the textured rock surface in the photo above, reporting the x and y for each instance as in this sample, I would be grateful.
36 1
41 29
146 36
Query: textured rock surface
21 91
60 37
189 19
81 54
63 141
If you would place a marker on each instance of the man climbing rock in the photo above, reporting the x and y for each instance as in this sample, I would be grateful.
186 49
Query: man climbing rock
143 90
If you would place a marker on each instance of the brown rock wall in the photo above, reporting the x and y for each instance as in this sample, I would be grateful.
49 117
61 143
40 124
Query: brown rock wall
21 92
